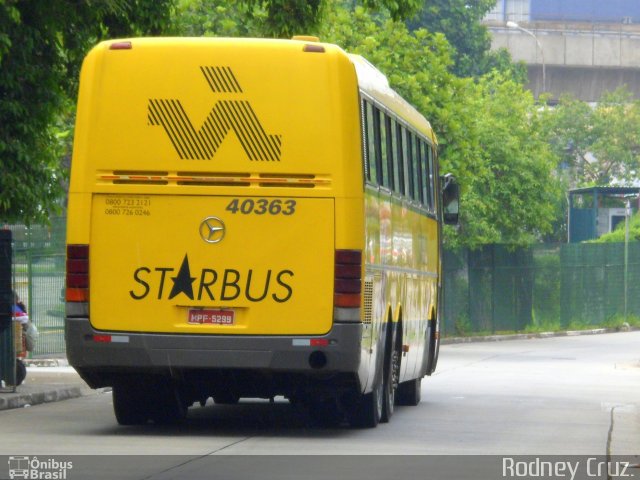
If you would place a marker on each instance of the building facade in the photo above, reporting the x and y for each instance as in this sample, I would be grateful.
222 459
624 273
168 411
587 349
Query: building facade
584 47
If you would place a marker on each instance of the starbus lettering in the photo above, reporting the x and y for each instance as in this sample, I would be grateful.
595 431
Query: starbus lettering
211 284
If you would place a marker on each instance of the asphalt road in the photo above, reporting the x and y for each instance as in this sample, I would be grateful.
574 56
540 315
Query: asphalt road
564 396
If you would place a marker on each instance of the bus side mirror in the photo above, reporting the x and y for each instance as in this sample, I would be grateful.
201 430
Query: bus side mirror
450 199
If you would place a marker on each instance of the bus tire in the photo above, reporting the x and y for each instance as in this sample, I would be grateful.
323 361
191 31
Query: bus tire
409 393
391 376
21 372
366 411
169 406
129 404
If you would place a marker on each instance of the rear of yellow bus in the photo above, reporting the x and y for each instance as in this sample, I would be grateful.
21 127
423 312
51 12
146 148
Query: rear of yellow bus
215 221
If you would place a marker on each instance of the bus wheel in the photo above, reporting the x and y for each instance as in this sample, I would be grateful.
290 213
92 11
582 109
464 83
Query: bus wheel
21 372
366 411
391 377
409 393
169 406
130 404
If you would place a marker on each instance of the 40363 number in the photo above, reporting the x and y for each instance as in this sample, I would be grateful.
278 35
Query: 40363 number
262 206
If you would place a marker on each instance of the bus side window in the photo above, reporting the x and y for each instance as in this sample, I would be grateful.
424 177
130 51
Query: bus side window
399 164
432 179
406 158
424 167
375 116
417 171
372 170
384 140
392 154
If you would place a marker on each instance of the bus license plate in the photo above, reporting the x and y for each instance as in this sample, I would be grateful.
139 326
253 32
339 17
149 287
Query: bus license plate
211 317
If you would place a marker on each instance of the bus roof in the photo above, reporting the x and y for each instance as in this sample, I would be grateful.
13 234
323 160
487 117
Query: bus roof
375 84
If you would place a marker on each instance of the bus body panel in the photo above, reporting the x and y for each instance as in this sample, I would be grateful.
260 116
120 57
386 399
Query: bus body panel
164 274
167 108
402 264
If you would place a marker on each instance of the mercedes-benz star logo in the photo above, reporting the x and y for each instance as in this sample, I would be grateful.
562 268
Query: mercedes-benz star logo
212 230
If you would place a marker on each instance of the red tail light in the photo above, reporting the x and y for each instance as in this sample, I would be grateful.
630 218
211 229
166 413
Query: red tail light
120 46
348 279
77 273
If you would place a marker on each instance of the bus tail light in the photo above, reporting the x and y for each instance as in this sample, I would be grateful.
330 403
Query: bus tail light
126 45
77 291
347 292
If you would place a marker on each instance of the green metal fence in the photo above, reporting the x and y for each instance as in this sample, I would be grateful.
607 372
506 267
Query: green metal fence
498 289
38 278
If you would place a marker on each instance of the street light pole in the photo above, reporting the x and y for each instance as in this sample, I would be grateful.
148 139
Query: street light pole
529 32
627 215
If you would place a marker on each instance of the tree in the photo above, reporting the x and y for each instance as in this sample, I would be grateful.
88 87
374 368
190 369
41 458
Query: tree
513 198
42 43
597 145
460 22
489 130
222 18
285 18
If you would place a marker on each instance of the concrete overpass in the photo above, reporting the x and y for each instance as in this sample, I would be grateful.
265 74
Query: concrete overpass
585 59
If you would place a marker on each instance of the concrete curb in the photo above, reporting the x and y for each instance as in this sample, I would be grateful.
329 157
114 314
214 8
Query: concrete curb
527 336
20 399
46 362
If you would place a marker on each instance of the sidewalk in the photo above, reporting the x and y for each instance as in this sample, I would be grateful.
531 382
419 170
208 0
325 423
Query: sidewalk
48 380
525 336
52 379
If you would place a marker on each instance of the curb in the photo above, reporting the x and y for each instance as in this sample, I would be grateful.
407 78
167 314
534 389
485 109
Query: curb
45 362
528 336
23 400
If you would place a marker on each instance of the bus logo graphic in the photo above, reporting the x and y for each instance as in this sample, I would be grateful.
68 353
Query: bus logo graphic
212 230
225 116
34 468
18 467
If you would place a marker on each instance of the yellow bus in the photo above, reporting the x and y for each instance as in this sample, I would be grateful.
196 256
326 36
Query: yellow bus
251 218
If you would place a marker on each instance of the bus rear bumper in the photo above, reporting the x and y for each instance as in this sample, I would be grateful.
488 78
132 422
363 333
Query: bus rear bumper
99 355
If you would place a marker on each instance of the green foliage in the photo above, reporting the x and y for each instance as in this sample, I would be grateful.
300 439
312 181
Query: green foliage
512 191
489 130
600 144
284 18
459 21
501 61
398 9
618 235
196 18
463 326
42 44
618 321
545 325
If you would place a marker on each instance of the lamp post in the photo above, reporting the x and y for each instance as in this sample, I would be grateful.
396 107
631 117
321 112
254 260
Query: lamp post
529 32
627 216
